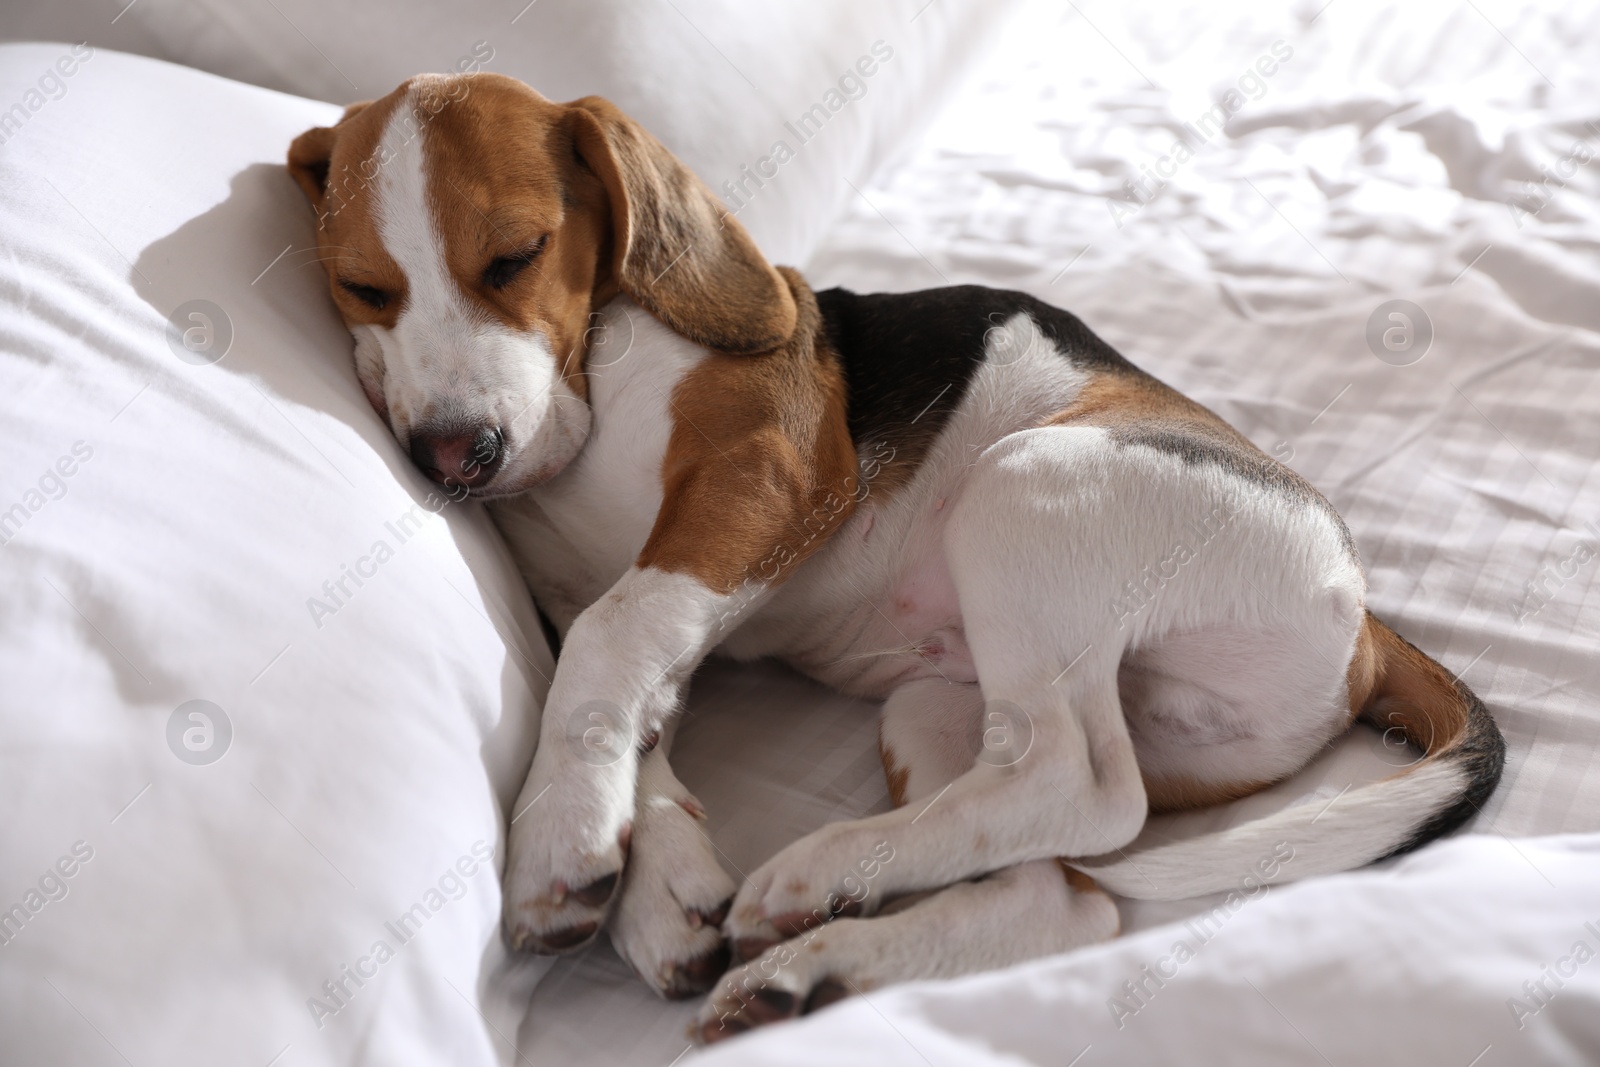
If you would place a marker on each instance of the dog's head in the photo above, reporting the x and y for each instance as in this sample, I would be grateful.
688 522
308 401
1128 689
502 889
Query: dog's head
470 228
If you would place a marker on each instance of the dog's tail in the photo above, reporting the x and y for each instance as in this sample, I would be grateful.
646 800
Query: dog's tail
1396 687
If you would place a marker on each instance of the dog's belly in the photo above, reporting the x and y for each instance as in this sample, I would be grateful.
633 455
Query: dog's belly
917 630
876 607
908 627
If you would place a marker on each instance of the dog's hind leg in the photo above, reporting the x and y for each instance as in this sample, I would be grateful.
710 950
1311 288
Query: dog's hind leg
931 732
1037 544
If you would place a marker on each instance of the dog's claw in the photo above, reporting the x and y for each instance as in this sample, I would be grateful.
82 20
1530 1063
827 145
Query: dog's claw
696 977
715 917
570 938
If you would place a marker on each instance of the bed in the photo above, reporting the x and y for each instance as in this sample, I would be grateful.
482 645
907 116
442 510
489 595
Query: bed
232 872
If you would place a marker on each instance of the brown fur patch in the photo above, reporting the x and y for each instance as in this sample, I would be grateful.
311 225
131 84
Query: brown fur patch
676 250
1439 714
898 777
335 166
759 470
1080 882
1412 692
1187 794
1361 677
1132 401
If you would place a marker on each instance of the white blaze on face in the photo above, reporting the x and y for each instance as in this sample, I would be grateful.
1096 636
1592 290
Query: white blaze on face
448 363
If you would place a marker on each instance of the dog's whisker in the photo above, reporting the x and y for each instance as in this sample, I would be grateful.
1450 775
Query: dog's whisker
901 651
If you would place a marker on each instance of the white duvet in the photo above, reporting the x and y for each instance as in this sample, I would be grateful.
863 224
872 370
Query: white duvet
1421 154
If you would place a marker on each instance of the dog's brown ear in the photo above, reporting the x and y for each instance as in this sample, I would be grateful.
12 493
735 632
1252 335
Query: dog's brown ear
675 249
311 152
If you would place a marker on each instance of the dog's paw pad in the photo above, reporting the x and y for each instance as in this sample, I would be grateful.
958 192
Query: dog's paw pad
598 892
697 976
714 918
567 940
772 1005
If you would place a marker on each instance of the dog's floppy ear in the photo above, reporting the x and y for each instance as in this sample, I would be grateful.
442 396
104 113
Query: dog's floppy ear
311 152
675 249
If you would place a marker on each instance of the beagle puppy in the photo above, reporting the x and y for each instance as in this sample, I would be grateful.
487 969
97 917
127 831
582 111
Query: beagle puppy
1080 596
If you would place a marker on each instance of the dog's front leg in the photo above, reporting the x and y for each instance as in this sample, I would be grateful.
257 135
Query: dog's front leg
758 473
622 667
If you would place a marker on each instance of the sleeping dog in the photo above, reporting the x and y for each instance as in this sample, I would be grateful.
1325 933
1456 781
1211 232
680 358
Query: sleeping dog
1080 596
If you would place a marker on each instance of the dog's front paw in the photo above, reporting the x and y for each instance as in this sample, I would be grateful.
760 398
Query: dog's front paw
675 896
551 915
568 847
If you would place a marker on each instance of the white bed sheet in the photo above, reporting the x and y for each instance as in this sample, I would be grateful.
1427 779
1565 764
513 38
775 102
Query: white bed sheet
1380 161
1384 975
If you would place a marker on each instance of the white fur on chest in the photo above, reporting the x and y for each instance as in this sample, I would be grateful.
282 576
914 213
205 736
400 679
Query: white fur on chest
577 534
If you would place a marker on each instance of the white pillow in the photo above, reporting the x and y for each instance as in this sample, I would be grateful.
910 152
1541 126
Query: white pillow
175 531
715 80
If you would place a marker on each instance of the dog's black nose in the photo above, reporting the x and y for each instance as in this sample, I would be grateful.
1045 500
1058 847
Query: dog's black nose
456 459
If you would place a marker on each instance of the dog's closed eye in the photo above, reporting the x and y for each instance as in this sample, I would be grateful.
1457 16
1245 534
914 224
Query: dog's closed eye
503 270
373 298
